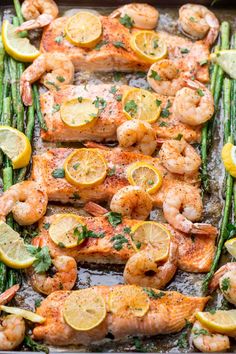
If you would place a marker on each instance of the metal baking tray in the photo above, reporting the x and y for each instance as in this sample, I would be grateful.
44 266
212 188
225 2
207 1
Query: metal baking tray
108 275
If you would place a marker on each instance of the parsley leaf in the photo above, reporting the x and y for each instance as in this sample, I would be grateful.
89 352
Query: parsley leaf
200 92
37 303
198 332
58 173
158 102
184 50
153 294
58 39
117 76
60 78
178 137
165 111
111 171
100 103
100 45
154 75
131 107
42 258
82 232
113 89
114 218
126 21
118 241
46 225
53 84
225 284
119 44
163 124
55 108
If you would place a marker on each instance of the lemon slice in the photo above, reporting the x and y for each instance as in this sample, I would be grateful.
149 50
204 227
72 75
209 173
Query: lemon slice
84 309
231 246
62 230
17 47
227 60
148 46
12 248
140 104
144 175
28 315
151 233
128 300
221 321
84 29
228 155
79 113
85 168
16 146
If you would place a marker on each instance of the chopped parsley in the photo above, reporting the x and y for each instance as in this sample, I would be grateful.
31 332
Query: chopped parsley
58 173
178 137
82 233
212 311
127 230
114 218
60 78
225 284
200 92
80 99
53 84
117 76
119 44
61 245
76 196
126 21
113 90
55 108
141 74
46 225
155 44
184 50
118 98
163 124
131 107
58 39
100 103
111 171
199 332
154 75
118 241
153 294
42 258
158 102
203 62
100 45
192 19
37 303
76 165
183 338
165 111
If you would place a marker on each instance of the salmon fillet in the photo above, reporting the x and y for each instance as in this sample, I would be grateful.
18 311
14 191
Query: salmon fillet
167 314
110 117
195 255
186 53
58 189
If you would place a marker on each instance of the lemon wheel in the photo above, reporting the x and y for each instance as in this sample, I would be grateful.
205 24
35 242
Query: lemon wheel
144 175
28 315
13 251
79 113
16 146
148 46
19 48
84 309
153 234
221 321
63 230
231 246
228 155
128 300
84 29
140 104
85 168
226 59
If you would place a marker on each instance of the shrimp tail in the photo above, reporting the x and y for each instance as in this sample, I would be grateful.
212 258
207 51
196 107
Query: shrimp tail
215 281
42 21
204 229
9 294
95 209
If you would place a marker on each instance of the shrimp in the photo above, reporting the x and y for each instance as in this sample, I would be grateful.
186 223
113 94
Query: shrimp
26 200
199 22
12 327
225 278
207 342
181 206
143 269
179 157
165 78
143 16
193 105
137 136
38 13
132 202
64 278
54 70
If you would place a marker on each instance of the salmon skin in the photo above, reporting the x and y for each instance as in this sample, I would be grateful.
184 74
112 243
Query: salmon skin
166 314
193 255
187 54
58 189
110 118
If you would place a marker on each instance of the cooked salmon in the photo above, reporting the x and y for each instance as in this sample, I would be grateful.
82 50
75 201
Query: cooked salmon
167 314
168 126
188 55
195 255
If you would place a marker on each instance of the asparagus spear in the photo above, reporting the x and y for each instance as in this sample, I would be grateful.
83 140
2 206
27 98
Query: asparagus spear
2 52
38 109
19 16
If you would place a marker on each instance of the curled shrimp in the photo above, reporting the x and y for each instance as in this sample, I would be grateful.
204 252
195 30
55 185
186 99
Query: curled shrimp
193 105
26 200
199 22
132 202
12 327
168 79
64 278
225 278
143 269
206 341
179 157
38 13
143 16
54 70
181 206
137 136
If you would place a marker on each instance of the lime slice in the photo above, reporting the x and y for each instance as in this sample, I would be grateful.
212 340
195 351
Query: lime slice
12 248
227 60
28 315
19 48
